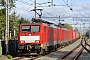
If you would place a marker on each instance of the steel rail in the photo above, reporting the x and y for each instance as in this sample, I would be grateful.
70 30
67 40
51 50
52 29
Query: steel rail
69 53
79 53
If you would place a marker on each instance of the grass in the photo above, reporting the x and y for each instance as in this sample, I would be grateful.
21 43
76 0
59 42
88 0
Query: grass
89 40
9 56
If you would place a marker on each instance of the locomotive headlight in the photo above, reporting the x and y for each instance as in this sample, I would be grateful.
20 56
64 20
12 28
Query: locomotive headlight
37 41
22 41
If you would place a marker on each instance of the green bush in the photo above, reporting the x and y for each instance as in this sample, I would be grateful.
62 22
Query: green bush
9 56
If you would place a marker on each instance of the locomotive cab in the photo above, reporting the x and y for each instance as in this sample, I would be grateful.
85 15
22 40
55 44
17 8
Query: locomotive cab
30 38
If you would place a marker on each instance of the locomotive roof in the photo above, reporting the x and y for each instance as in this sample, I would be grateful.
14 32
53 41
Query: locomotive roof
40 21
64 28
35 24
32 24
46 22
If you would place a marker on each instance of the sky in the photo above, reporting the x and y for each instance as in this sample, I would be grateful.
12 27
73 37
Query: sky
80 8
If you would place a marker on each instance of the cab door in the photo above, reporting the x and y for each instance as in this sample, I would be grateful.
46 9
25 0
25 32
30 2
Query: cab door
45 34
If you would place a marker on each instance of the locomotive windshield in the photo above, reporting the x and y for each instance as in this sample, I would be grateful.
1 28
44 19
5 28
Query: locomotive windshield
30 28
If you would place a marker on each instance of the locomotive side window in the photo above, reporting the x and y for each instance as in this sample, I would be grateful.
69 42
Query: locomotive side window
25 28
35 28
44 28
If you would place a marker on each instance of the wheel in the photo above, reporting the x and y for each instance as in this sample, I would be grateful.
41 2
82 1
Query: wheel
38 52
42 52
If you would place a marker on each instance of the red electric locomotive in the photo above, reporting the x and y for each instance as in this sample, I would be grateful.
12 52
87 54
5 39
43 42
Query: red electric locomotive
37 38
64 35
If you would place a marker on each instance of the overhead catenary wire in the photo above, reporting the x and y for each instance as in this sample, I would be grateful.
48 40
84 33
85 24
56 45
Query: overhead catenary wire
78 16
47 12
78 8
80 12
71 9
31 0
24 2
66 2
55 11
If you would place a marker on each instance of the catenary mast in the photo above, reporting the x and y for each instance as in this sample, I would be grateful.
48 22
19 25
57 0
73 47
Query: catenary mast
7 26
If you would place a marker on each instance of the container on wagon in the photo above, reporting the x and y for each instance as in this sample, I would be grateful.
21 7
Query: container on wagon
74 34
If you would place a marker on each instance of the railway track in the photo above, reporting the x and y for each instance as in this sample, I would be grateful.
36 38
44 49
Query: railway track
27 58
86 46
74 53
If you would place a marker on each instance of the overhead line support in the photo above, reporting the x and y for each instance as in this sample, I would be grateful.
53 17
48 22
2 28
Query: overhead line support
7 26
35 8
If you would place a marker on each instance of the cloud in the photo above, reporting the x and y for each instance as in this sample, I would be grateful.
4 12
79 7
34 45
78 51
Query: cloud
86 6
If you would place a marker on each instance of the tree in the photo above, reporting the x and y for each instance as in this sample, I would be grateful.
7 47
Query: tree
22 20
2 2
3 15
76 29
11 3
67 26
14 20
2 22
